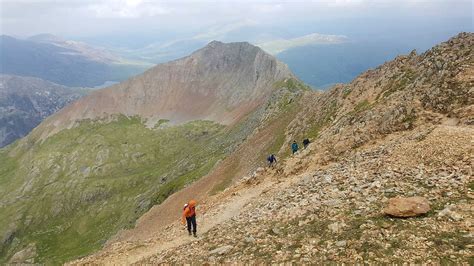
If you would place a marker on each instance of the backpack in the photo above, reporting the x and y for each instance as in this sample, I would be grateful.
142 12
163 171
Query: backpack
271 158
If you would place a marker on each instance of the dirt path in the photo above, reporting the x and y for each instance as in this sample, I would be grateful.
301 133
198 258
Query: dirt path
222 208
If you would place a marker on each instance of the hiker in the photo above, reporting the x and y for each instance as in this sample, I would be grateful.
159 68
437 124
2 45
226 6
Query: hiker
294 147
189 217
306 142
272 160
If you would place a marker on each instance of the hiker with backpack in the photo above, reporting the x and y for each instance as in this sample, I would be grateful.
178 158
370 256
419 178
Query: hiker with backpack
189 217
271 160
306 142
294 147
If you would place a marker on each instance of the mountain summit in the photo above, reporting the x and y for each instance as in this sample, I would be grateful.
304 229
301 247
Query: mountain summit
221 82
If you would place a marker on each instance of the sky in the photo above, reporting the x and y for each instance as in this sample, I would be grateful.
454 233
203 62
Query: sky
150 20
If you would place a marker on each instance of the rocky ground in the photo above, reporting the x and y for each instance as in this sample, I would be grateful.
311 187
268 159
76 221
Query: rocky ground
336 214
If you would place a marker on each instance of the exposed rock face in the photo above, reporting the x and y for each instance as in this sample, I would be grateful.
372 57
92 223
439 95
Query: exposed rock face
26 255
407 207
221 82
25 102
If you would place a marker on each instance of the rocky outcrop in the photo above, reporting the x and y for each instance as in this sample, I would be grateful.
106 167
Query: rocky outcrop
407 207
26 255
399 95
25 102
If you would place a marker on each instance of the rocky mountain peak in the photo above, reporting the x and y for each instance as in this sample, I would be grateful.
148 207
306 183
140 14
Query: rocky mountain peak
221 82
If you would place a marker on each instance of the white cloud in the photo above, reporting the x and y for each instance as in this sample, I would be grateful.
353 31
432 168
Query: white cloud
277 46
92 17
127 9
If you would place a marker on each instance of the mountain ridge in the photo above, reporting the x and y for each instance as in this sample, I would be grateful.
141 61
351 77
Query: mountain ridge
238 78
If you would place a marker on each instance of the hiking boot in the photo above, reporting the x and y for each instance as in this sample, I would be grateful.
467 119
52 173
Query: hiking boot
189 232
195 235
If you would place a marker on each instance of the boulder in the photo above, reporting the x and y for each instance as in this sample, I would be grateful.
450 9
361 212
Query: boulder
336 227
250 240
449 211
407 207
26 255
220 250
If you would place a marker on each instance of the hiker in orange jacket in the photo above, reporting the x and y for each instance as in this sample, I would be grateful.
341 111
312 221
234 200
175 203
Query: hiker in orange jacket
189 217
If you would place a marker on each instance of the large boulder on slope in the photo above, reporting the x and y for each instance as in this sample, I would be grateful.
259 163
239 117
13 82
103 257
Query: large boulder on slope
407 207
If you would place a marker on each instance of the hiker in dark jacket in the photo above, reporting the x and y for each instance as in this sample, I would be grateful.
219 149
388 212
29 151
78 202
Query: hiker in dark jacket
294 147
272 160
306 142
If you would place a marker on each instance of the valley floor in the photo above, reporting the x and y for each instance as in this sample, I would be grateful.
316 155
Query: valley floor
308 211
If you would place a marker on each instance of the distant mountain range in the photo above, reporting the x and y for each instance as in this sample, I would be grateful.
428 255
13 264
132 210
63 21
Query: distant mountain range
319 60
63 62
25 102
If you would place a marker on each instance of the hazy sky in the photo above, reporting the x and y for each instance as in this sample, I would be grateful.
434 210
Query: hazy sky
87 18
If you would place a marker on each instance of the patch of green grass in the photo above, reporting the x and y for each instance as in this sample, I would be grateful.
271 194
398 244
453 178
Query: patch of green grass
345 92
398 83
362 106
292 85
454 238
471 185
368 246
320 122
409 119
294 246
160 123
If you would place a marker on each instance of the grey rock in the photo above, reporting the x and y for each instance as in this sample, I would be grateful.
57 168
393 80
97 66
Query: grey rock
221 250
26 255
276 231
341 243
249 240
336 227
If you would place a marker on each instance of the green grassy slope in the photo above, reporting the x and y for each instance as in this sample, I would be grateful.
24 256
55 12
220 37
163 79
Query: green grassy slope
70 193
